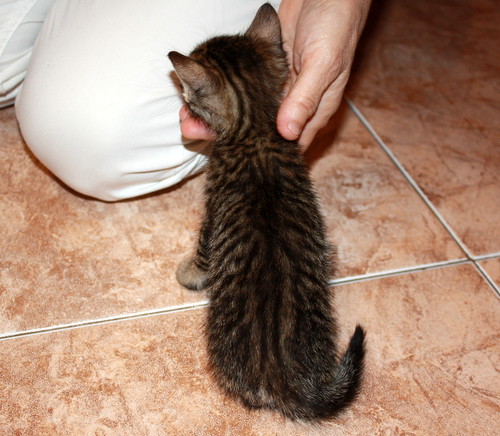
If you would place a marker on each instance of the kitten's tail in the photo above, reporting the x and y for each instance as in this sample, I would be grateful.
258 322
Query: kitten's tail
347 381
345 384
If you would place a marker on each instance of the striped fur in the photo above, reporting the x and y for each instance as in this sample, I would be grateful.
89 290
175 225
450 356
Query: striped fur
262 253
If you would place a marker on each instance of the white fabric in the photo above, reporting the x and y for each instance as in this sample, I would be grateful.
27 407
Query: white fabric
20 23
98 106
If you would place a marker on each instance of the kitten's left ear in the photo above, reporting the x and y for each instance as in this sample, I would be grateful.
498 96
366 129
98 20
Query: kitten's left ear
266 25
192 73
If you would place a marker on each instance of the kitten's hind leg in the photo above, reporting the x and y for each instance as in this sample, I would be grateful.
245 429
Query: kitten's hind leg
191 273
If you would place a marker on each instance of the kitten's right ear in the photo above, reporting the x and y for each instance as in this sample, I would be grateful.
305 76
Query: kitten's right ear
266 25
191 73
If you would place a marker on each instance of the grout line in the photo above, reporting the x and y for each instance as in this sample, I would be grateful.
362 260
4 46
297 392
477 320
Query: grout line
488 279
487 256
430 205
204 303
100 321
397 272
409 178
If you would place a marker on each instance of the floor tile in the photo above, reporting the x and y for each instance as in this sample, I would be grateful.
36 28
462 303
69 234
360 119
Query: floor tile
427 80
67 259
64 258
432 368
375 219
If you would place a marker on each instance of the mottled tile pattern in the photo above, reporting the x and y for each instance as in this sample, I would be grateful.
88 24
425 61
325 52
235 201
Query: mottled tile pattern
375 219
64 258
427 78
432 368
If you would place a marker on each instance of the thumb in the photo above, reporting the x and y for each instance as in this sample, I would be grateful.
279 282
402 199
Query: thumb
301 102
193 128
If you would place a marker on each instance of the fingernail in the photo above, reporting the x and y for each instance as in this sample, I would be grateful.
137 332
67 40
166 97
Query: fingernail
294 128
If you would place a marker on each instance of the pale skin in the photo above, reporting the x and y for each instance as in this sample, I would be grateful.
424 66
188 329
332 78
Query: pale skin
320 38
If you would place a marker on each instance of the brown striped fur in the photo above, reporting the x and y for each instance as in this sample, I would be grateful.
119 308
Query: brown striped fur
262 253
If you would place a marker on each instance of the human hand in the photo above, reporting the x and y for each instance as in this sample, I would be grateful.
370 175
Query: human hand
320 38
193 128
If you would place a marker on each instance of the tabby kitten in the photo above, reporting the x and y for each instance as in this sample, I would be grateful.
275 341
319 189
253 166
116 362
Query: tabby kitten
262 253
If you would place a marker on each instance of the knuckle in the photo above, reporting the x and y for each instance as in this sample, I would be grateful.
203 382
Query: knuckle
307 104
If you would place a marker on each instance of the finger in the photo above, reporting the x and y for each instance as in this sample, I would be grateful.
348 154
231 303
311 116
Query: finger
329 104
302 101
315 124
192 128
289 12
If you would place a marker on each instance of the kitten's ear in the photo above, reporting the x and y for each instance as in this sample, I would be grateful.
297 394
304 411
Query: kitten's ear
192 73
266 25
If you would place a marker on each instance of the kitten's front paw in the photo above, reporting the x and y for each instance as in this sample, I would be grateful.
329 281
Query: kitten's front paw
190 276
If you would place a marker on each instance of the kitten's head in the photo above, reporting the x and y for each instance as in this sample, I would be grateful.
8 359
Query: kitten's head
234 83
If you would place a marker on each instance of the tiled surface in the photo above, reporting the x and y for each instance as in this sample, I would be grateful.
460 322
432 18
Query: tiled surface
426 79
64 258
372 214
432 368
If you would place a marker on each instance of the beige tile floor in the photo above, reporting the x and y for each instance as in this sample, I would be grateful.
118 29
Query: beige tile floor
98 338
